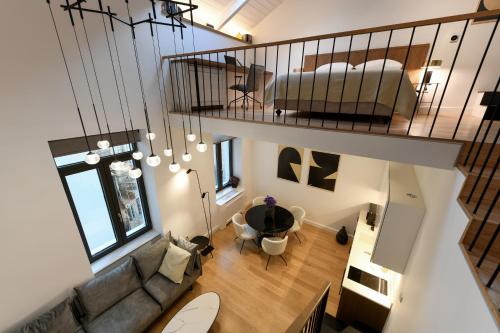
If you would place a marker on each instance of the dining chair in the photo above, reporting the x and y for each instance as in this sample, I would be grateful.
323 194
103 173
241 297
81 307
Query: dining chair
243 231
299 214
274 246
258 201
254 77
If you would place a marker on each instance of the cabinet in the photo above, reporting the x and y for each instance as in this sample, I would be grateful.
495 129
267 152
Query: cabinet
400 220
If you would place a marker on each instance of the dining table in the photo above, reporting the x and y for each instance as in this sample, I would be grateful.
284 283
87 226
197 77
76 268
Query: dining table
269 221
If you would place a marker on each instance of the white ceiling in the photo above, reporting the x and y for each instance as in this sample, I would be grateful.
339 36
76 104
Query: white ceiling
248 13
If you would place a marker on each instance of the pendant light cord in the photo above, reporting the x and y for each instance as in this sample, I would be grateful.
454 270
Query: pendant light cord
158 73
166 102
113 64
95 72
194 50
178 89
68 73
164 90
190 110
123 84
140 76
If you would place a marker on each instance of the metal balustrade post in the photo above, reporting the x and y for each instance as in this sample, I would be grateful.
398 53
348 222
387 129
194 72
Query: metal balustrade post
361 82
313 83
287 80
328 83
275 79
462 36
264 84
475 79
484 221
300 82
380 80
425 74
345 78
408 50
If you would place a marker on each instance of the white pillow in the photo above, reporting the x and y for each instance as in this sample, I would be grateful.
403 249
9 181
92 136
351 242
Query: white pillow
377 64
174 263
336 67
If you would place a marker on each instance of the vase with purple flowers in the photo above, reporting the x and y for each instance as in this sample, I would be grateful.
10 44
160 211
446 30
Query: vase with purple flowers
270 204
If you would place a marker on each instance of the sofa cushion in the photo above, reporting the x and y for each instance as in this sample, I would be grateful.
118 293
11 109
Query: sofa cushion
132 314
191 248
102 292
165 291
149 257
60 319
174 263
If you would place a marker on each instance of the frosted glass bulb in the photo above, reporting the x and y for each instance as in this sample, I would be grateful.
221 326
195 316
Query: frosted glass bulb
153 160
168 152
174 167
191 137
103 144
151 136
135 173
116 166
92 158
186 157
201 147
125 167
137 155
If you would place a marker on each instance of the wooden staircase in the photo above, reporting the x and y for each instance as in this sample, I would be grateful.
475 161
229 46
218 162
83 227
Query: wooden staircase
479 199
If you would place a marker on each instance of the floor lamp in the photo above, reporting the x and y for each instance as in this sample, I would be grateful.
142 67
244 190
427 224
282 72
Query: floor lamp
209 248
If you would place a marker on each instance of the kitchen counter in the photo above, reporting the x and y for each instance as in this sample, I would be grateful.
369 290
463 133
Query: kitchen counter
360 256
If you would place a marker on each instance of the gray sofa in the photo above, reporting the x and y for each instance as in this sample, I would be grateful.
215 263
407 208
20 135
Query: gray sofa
127 298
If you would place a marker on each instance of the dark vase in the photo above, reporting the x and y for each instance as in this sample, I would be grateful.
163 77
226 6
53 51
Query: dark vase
342 236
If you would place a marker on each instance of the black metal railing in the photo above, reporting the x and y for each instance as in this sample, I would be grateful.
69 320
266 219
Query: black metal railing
311 319
362 99
384 100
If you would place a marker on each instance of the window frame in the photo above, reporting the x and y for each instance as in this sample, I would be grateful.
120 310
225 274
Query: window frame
219 186
111 198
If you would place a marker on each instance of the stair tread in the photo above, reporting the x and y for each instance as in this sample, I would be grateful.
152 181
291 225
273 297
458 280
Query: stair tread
477 170
481 212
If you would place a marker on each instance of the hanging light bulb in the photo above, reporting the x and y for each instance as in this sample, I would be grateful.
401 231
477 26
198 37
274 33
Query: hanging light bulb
201 147
151 136
135 173
191 137
153 160
186 157
168 152
116 165
103 144
92 158
137 155
174 167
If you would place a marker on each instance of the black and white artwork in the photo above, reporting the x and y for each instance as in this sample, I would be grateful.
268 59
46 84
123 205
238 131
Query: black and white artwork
323 170
290 163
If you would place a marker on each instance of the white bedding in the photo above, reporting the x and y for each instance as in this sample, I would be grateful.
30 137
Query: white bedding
388 88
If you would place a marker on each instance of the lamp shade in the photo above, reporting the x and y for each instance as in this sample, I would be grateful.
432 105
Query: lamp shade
92 158
137 155
201 147
153 160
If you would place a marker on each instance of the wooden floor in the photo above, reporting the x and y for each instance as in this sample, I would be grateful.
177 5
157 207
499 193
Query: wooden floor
256 300
444 126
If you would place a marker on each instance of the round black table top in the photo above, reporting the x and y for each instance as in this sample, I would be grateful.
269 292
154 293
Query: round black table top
262 220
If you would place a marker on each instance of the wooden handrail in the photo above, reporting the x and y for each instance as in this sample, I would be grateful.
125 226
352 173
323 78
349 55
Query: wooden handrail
302 318
399 26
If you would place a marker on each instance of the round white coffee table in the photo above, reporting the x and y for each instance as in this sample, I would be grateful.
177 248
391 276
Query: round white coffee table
196 316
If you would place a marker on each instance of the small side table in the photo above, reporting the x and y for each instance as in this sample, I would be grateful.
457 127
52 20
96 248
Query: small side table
423 88
203 245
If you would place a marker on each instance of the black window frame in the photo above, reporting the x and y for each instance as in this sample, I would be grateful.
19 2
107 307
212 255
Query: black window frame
219 186
111 199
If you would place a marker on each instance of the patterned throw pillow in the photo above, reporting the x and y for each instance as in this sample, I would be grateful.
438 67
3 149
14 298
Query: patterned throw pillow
192 249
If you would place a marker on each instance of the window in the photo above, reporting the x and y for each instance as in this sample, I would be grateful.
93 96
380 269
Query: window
223 164
110 208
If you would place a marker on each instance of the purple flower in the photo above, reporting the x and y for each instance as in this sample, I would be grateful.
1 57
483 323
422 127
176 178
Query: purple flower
270 201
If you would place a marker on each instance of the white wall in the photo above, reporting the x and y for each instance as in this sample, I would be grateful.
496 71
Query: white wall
358 183
296 18
40 249
438 290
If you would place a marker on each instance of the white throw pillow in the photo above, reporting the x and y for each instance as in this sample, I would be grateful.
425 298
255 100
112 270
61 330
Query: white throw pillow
377 64
174 263
336 67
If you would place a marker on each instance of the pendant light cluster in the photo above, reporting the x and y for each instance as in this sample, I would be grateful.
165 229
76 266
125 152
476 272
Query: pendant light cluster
152 159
